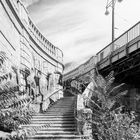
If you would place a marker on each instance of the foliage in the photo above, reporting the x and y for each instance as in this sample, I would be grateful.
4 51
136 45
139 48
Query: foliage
15 109
60 77
109 123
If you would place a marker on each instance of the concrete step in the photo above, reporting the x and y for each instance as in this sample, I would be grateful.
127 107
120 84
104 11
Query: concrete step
67 107
56 132
52 116
53 137
60 114
51 125
57 114
64 104
63 111
59 138
54 129
53 119
54 122
56 111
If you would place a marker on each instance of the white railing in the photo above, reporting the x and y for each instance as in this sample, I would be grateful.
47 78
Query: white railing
122 40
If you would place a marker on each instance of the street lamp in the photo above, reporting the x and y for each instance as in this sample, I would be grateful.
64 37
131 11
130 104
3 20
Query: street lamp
112 5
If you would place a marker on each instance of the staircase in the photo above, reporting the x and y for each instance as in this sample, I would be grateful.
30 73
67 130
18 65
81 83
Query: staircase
61 120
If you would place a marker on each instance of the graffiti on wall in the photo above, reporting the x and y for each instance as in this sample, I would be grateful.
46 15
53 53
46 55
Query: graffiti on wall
8 73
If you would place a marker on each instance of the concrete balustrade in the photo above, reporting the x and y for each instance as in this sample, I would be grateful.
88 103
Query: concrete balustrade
84 118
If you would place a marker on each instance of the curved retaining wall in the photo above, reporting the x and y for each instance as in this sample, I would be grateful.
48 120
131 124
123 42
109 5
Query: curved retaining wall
25 47
23 43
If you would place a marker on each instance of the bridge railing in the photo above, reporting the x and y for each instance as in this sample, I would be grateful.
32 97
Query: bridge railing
125 38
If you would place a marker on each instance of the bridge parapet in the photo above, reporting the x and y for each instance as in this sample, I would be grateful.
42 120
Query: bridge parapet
83 69
118 43
117 46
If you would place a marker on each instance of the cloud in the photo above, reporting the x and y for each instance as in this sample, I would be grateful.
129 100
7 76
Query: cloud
73 64
59 24
29 2
69 24
89 39
79 27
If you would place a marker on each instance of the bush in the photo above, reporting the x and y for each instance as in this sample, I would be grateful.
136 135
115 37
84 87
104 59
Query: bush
14 108
109 122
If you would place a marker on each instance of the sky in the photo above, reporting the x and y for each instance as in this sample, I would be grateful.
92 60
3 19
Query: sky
79 27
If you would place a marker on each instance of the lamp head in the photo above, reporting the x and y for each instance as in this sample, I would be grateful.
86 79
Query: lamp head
106 12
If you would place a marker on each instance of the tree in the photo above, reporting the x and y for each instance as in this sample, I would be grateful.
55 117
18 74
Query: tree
15 109
109 122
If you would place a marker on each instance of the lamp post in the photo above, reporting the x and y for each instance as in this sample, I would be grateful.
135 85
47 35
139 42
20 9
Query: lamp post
112 5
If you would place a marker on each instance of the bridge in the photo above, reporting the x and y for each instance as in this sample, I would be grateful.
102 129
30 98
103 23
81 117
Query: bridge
26 55
121 56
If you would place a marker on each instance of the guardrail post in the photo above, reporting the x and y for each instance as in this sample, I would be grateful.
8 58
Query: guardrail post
110 58
126 49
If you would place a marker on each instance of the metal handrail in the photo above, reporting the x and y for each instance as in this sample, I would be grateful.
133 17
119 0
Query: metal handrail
41 103
120 36
53 94
124 38
31 101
